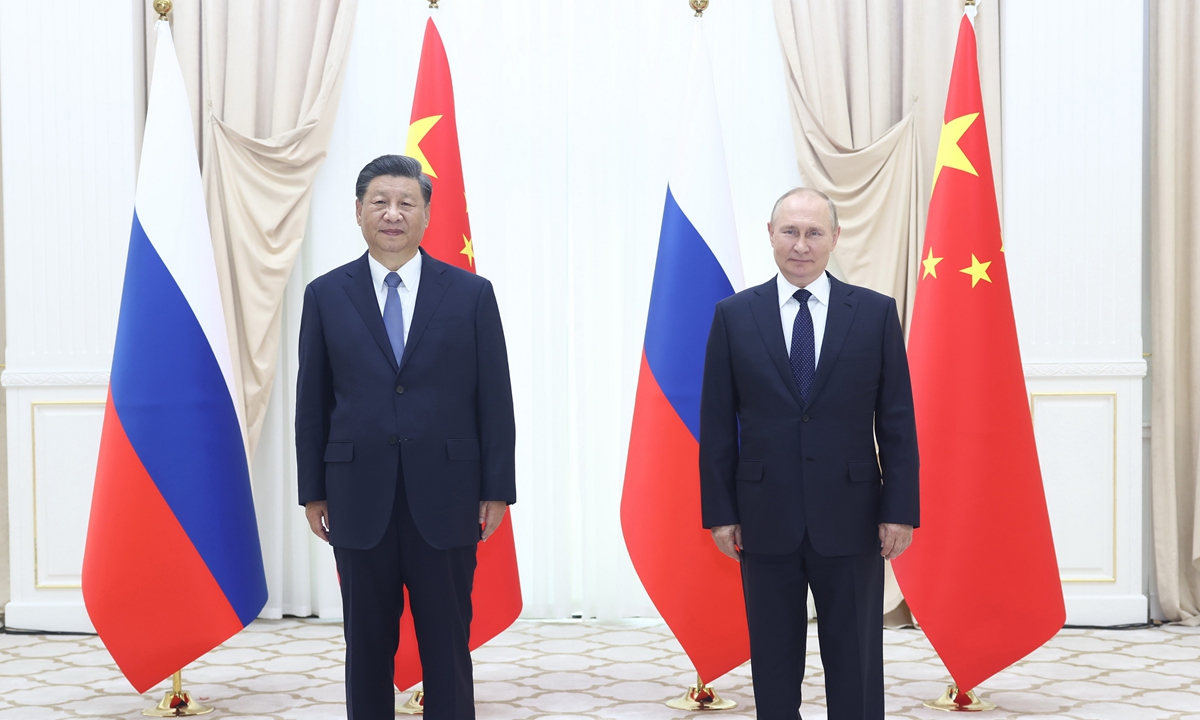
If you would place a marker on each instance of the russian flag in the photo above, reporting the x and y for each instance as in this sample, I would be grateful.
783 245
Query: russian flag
172 566
696 588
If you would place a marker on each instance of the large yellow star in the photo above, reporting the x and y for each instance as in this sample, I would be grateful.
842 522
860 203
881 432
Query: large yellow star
977 271
949 154
416 133
468 250
930 264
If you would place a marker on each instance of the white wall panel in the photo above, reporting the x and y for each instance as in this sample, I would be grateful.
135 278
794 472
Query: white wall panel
66 89
1077 441
65 442
1073 107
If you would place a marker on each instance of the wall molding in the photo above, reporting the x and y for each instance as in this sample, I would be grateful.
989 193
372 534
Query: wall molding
33 378
1087 369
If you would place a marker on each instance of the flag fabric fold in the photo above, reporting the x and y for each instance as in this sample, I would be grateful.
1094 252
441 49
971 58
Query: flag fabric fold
172 565
981 576
696 588
433 140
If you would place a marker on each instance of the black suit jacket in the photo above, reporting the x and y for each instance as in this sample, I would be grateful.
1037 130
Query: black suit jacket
781 467
445 410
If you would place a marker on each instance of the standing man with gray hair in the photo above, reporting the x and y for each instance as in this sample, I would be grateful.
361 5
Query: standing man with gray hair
405 441
804 377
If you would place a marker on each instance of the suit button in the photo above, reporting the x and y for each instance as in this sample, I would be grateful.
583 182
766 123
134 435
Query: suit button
399 389
804 417
391 439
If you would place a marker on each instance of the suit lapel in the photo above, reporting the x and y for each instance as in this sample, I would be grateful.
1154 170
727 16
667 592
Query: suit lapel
765 308
842 305
362 295
429 295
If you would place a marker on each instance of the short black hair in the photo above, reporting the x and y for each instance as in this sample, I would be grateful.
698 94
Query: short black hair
396 166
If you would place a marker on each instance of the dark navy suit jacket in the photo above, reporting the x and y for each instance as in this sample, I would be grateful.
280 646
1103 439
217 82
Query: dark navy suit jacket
781 467
445 410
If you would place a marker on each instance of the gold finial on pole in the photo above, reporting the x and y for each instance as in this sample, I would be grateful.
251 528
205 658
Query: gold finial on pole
970 3
433 4
699 6
162 7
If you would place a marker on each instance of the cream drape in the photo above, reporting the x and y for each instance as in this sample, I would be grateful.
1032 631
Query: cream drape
867 83
1175 305
264 78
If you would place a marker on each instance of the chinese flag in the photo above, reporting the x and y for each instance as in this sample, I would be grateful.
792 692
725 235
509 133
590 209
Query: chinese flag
433 139
981 576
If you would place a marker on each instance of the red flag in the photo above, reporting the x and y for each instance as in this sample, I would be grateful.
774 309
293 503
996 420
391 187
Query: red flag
433 139
693 585
981 576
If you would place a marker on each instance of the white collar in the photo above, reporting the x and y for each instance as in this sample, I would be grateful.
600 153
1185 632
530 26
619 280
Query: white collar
819 289
410 272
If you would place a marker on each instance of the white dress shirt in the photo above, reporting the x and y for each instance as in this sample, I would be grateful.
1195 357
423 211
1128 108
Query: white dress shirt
818 307
410 280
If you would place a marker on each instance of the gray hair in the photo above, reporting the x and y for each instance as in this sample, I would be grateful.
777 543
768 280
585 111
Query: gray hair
833 218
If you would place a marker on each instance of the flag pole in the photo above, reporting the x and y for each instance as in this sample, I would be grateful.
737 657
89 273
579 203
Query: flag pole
954 700
178 702
700 697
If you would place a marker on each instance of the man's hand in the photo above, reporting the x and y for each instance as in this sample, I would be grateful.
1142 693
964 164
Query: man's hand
729 540
894 539
317 513
491 512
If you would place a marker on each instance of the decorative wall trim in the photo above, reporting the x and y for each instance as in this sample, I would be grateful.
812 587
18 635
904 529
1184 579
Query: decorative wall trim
24 378
1086 369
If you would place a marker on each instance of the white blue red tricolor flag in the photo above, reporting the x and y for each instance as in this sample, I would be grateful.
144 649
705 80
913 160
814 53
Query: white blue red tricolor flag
697 589
172 566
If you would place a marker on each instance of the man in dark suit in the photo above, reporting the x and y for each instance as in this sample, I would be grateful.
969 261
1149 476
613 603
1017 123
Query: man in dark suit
404 441
803 377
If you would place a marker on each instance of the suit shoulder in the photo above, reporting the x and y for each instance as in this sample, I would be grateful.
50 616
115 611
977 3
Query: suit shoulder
739 299
334 277
868 295
468 278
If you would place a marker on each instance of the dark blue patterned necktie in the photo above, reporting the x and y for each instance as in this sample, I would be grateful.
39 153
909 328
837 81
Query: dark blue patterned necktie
804 349
393 315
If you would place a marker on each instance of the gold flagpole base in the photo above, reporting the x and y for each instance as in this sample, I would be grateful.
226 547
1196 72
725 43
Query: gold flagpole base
414 706
177 703
701 698
954 701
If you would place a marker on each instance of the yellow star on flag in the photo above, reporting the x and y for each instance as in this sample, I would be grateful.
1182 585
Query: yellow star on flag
468 250
930 264
416 133
977 271
949 154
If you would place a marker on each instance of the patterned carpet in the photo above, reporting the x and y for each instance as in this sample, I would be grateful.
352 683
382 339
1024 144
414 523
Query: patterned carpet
292 669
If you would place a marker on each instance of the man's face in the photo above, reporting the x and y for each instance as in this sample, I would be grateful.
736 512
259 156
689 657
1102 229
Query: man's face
802 238
393 217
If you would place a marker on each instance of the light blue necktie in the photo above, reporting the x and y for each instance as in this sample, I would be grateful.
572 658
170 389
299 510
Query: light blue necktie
393 315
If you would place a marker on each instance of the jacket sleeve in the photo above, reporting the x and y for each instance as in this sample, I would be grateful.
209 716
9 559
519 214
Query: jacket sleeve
496 420
896 429
314 403
718 430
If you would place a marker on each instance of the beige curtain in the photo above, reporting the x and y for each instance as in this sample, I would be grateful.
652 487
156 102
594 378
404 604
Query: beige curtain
264 78
867 83
1175 304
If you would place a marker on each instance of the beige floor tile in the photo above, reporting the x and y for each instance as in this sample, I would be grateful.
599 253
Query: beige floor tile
292 670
